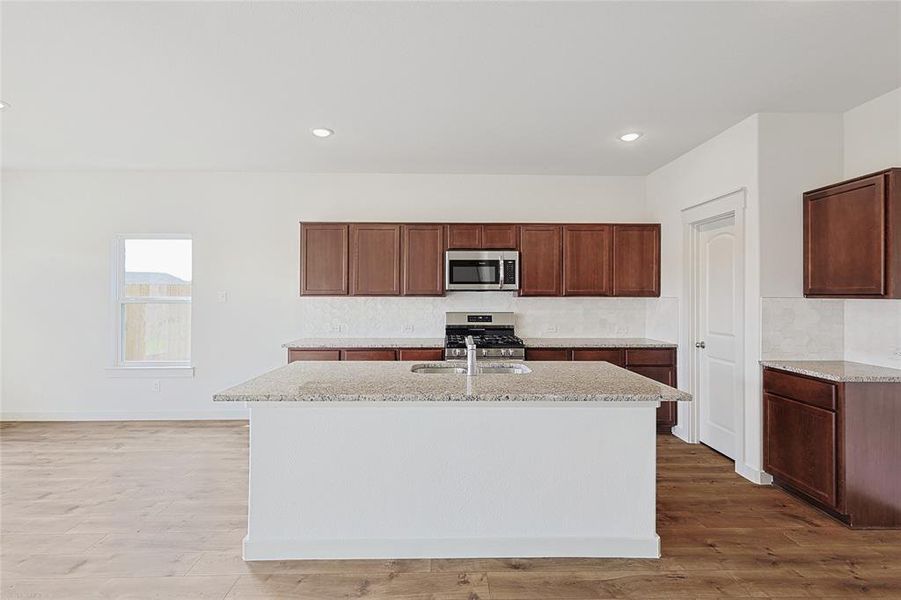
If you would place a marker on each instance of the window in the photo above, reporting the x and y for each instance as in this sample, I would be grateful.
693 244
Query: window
152 305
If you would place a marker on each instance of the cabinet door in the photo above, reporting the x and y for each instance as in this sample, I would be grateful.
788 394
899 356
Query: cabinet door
636 260
420 354
464 236
423 264
556 354
587 254
541 260
666 413
799 446
377 354
375 259
323 259
844 239
295 355
610 355
499 237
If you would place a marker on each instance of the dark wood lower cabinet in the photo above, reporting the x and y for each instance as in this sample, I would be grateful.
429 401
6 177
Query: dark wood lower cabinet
548 354
296 354
420 354
376 354
801 447
837 445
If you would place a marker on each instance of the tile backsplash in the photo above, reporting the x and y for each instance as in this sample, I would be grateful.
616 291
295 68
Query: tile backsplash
424 317
802 329
873 332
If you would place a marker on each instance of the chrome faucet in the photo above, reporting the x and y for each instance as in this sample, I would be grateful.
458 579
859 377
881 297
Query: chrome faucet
471 368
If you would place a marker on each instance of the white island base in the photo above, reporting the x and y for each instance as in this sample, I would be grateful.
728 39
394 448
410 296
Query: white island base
336 480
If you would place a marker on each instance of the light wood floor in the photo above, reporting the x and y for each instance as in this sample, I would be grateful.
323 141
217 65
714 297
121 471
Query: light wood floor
156 510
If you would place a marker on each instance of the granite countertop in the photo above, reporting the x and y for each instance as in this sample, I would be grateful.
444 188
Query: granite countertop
837 370
394 382
532 342
374 342
587 342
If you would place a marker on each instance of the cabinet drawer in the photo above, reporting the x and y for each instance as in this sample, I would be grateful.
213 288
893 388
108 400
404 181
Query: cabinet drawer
381 354
420 354
295 355
809 391
617 357
664 375
650 356
800 447
547 354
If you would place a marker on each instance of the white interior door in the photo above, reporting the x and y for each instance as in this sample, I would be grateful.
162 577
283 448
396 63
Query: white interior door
719 323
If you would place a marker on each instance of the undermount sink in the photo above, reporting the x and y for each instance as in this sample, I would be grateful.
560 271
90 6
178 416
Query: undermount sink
437 369
486 369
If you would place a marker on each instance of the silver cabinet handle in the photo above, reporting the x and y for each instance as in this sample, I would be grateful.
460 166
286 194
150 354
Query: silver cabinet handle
700 345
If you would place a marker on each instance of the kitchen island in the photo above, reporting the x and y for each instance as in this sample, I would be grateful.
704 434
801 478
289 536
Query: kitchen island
373 460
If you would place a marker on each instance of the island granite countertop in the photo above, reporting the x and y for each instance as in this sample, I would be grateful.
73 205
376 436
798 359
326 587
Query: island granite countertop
840 371
428 342
395 382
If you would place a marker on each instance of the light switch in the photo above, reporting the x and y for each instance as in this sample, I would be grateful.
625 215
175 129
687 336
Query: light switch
222 297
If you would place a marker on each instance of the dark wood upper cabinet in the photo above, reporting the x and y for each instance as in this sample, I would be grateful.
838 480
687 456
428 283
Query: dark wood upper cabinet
464 236
500 237
375 257
587 255
469 236
541 249
636 260
423 260
389 259
323 259
852 238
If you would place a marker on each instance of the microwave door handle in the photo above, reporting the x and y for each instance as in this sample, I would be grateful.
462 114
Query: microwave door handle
500 272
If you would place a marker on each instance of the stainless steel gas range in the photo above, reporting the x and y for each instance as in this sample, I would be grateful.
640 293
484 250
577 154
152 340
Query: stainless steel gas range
492 333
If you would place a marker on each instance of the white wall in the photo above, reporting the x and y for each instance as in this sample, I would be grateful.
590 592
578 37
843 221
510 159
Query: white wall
873 135
720 166
797 152
872 328
57 228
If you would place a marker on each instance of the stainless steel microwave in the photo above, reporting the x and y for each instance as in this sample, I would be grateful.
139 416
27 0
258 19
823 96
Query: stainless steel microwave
482 270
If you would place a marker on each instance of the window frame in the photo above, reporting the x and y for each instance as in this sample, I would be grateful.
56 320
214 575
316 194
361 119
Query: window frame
117 309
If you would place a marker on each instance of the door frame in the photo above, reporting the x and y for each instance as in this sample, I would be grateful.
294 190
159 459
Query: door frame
732 204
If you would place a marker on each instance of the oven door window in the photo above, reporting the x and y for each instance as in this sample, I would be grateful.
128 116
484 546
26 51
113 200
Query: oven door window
475 271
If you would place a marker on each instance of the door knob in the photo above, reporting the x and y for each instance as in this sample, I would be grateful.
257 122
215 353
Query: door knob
700 345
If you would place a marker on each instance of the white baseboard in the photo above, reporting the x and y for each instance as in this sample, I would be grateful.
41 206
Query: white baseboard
753 475
452 548
122 415
682 433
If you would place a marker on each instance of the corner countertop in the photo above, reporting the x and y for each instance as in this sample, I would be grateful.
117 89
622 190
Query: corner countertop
837 370
372 342
531 342
353 381
588 342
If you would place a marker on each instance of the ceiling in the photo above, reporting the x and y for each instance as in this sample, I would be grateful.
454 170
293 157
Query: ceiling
421 87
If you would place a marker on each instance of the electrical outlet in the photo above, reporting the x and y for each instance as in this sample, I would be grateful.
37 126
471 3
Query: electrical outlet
407 328
551 329
222 297
896 355
336 328
155 386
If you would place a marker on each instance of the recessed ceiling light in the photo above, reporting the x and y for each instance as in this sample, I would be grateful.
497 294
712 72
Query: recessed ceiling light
321 132
630 137
3 105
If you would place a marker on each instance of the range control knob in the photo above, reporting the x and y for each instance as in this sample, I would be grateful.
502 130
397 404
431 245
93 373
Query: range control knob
456 352
484 351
